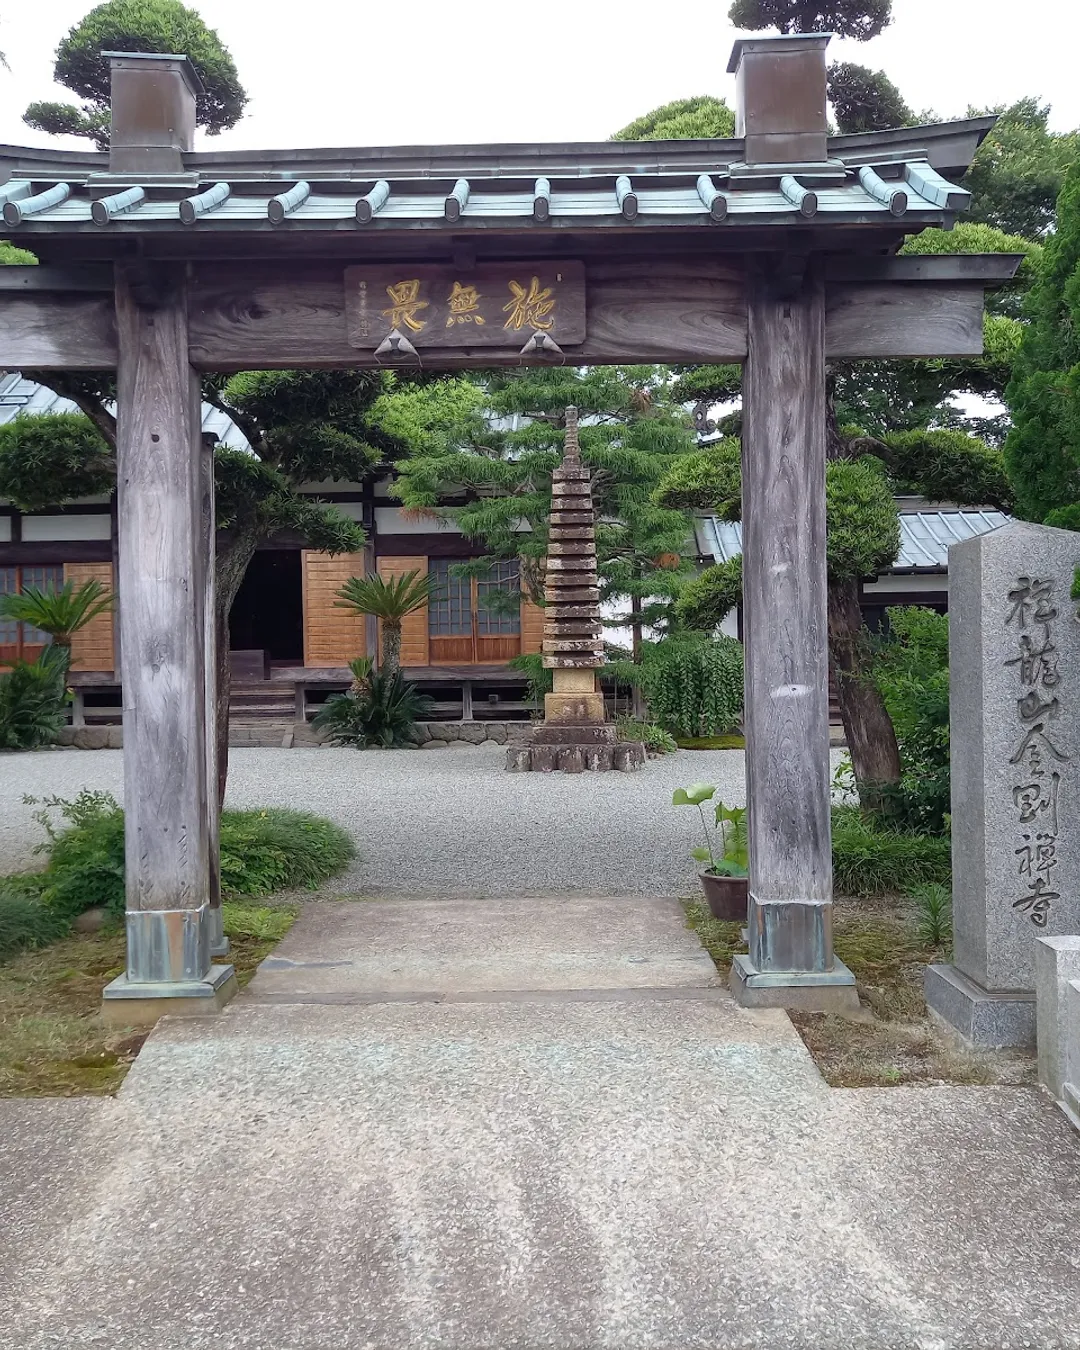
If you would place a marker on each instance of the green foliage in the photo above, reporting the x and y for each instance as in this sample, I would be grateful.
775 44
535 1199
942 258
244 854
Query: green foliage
911 670
706 384
933 909
707 600
868 860
137 26
693 683
32 698
865 100
52 458
858 19
541 679
701 118
274 849
25 923
863 536
1020 169
261 851
12 256
385 716
707 480
62 612
731 859
655 739
500 476
390 599
948 466
1042 451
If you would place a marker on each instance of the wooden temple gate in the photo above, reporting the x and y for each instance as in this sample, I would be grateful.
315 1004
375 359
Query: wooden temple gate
775 249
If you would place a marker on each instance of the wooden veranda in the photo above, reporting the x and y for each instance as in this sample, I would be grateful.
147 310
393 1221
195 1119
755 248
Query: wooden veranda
776 249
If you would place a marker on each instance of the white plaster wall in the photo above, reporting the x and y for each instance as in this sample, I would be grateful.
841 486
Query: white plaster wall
42 529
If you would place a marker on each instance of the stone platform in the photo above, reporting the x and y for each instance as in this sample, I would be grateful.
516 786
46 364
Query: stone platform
507 1125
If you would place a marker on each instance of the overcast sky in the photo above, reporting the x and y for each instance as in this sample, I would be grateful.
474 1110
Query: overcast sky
355 73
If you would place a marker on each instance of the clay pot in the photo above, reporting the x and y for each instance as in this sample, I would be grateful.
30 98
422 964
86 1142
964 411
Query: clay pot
726 897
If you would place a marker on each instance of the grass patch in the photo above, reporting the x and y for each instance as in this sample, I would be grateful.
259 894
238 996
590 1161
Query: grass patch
868 861
52 1040
892 1040
730 741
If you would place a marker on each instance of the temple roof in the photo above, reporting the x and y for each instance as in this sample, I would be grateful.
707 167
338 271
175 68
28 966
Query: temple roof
904 179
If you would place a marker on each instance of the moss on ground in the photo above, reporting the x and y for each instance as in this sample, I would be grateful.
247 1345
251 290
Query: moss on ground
52 1040
892 1040
730 741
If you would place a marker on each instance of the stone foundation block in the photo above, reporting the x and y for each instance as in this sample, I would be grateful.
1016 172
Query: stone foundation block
574 708
1057 964
128 1004
983 1019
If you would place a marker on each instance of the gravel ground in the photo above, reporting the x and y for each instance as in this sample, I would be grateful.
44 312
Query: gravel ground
439 822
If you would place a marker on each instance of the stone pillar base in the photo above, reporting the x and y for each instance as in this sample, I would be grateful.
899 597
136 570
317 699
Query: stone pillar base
1070 1104
125 1003
804 990
591 757
983 1019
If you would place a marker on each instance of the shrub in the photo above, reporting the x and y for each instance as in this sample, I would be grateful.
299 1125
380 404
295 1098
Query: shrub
693 683
655 739
540 678
24 921
384 715
868 860
911 669
261 851
32 697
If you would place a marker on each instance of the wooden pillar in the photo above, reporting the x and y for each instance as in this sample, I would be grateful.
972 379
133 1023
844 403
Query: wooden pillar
791 961
162 502
219 943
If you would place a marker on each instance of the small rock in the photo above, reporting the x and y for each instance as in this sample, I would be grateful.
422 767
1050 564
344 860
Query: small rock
91 920
115 738
91 738
66 736
472 732
435 744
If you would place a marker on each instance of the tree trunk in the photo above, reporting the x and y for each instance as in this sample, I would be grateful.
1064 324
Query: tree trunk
871 739
638 709
233 558
391 648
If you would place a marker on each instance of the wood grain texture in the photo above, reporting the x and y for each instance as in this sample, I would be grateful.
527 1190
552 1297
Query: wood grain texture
245 316
92 646
160 578
414 627
865 319
332 637
784 595
257 315
532 626
57 332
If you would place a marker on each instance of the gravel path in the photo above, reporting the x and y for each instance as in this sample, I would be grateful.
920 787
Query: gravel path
442 822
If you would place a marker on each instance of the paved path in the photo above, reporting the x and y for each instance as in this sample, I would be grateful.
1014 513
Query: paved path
448 822
575 1142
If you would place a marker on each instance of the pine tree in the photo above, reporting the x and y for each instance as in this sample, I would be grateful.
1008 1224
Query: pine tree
858 19
508 442
136 26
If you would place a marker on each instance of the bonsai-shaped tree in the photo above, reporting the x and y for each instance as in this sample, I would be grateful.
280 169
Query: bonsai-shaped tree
390 600
60 613
136 26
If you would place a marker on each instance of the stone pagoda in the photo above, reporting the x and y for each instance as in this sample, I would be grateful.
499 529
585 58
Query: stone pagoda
574 735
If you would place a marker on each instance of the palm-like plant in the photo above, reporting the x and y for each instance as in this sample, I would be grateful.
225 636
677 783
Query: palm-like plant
390 600
60 613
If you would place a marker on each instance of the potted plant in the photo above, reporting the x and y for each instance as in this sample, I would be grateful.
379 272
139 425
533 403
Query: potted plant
724 872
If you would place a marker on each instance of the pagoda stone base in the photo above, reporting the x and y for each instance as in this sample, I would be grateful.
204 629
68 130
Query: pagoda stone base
565 748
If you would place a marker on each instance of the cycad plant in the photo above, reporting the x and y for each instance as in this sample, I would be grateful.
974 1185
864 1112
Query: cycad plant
384 713
60 613
390 600
31 705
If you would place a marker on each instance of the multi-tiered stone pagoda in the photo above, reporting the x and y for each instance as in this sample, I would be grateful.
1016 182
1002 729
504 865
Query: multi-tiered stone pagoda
574 735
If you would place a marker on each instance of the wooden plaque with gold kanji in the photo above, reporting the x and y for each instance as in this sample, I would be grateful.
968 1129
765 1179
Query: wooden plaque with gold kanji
497 305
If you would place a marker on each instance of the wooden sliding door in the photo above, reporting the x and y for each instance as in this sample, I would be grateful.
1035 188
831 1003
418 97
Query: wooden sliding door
474 620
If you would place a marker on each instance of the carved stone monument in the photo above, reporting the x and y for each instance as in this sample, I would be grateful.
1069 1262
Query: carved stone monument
1014 662
574 735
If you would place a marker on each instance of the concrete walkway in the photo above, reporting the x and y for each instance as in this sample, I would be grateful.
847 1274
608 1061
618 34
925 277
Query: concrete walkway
528 1125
